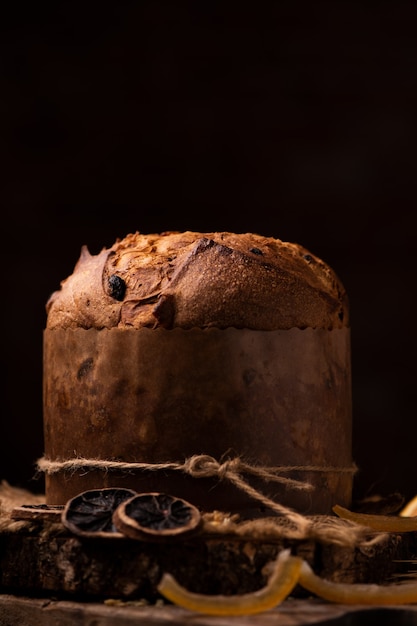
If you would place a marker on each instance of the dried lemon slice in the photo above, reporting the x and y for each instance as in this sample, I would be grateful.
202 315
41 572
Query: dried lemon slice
281 582
382 523
357 593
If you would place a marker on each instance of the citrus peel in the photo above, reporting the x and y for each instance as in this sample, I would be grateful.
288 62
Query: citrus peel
357 593
410 508
280 583
382 523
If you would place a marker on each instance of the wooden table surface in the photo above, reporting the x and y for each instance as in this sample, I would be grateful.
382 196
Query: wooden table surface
24 611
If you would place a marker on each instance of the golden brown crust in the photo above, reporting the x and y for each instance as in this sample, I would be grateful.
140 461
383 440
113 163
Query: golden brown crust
191 279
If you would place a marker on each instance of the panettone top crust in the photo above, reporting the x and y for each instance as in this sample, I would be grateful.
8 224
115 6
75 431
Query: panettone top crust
200 280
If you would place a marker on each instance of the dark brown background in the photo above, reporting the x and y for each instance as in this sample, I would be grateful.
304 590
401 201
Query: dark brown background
296 120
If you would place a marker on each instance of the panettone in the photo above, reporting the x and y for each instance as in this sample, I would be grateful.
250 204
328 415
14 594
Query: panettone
186 345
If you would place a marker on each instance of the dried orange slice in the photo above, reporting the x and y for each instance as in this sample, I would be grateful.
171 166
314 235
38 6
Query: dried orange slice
90 513
382 523
156 516
281 582
357 593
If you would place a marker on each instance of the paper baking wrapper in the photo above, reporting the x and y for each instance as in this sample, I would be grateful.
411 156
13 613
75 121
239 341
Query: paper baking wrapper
272 398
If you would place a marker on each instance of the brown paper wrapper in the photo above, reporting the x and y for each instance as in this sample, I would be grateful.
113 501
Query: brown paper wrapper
273 398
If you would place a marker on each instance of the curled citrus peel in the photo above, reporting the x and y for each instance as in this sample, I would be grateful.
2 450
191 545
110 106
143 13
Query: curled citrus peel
288 571
357 593
281 582
410 508
382 523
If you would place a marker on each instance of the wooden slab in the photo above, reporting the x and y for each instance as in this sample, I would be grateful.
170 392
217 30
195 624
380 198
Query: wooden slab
42 557
49 575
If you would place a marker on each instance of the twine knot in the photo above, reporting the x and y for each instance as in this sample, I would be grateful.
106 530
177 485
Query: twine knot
204 465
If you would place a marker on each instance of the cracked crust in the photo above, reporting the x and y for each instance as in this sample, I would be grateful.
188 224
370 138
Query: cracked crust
200 280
